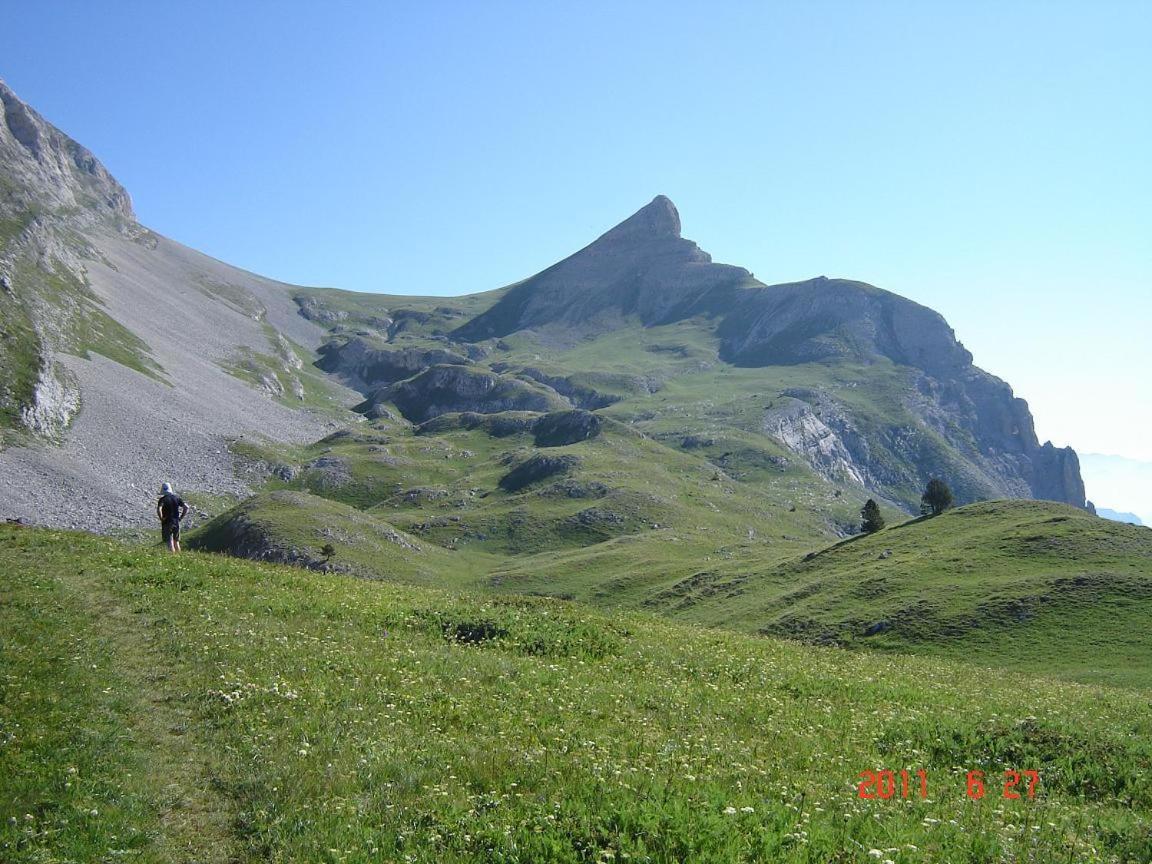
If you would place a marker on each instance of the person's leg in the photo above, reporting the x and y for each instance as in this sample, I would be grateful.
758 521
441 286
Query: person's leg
176 538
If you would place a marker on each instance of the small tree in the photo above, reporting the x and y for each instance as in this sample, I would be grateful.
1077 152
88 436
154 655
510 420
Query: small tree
936 498
327 550
871 519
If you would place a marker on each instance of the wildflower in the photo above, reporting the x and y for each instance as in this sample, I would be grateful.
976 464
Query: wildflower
875 853
729 811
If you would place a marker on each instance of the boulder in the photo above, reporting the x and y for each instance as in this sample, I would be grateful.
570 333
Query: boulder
536 468
458 389
368 367
566 427
497 425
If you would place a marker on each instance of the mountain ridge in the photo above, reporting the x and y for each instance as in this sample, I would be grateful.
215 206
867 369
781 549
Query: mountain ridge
872 389
643 268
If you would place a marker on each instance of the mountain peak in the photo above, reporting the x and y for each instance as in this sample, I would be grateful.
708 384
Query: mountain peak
658 218
641 268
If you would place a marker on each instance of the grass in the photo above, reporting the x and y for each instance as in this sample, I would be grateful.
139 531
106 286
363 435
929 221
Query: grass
294 527
20 357
86 327
213 709
1023 584
443 488
285 371
196 708
638 525
673 384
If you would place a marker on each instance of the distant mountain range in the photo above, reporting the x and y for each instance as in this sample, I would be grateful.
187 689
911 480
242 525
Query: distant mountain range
1122 482
1130 518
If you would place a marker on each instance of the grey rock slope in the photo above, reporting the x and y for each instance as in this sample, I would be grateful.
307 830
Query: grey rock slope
115 344
642 267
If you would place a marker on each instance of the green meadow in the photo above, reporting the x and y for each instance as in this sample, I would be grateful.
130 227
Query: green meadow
202 708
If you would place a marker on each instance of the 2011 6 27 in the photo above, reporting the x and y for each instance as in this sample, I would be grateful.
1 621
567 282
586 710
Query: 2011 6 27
886 784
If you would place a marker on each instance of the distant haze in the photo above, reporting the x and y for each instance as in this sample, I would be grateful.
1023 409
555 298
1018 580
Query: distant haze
1108 513
1120 484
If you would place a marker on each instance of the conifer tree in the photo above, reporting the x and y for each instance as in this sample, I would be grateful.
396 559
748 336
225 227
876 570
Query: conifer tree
936 498
871 519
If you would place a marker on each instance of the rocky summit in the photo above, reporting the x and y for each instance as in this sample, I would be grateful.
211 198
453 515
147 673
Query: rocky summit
642 268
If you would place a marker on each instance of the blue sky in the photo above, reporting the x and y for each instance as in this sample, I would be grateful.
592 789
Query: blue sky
988 159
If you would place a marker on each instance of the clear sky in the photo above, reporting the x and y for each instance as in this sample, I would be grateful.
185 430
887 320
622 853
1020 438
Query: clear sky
992 160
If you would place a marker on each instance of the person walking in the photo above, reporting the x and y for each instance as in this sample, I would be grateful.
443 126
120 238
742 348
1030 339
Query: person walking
170 509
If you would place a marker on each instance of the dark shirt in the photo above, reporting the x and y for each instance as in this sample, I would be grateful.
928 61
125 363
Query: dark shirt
171 507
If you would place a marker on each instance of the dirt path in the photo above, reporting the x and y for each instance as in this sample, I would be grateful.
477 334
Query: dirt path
196 820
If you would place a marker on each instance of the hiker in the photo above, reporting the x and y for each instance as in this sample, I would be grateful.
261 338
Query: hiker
170 509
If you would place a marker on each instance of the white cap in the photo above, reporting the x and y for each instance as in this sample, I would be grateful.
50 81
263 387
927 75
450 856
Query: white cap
166 488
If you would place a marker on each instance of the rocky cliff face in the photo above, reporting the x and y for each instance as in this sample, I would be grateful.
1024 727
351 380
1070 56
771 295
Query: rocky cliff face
125 358
461 389
367 367
52 190
836 319
795 424
976 414
47 170
1056 475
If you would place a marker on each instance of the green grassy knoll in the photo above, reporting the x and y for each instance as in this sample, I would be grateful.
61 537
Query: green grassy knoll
1021 584
160 708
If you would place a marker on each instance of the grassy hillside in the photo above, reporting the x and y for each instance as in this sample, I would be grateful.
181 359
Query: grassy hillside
203 708
441 483
642 525
670 382
295 527
1027 585
1022 584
